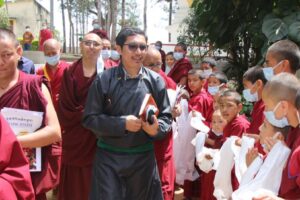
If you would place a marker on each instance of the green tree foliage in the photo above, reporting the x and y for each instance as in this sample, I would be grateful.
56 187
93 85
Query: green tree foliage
4 21
243 28
1 3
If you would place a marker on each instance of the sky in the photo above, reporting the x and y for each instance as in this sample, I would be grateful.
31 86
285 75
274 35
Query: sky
157 19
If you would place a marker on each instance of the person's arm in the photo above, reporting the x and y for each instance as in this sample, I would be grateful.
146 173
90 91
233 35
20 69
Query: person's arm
100 123
162 125
50 133
209 141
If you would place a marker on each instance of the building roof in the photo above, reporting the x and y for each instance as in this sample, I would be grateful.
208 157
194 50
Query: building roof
44 3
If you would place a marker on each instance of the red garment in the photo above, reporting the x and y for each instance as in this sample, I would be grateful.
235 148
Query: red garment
257 116
79 144
45 34
54 79
180 69
15 182
109 63
203 103
170 84
27 94
236 127
290 182
164 155
163 60
207 179
101 33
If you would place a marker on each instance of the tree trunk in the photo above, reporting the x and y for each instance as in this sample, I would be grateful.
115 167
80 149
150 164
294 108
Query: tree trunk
64 26
123 14
108 16
145 16
114 14
170 17
99 12
71 39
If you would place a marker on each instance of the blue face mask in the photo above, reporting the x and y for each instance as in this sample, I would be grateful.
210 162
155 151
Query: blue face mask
115 55
178 55
250 97
52 60
157 47
270 116
269 71
213 90
105 54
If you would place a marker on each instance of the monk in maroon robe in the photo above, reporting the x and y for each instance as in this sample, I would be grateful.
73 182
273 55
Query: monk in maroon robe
15 182
163 148
182 66
79 143
23 91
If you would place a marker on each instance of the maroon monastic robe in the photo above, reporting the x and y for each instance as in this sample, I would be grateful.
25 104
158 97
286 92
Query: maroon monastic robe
180 69
15 181
203 103
27 94
164 154
257 116
78 143
290 182
207 179
54 79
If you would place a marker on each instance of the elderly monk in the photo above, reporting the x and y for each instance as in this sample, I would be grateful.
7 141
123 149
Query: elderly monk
163 148
29 92
79 143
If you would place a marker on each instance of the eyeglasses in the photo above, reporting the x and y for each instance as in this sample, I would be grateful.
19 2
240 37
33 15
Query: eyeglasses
89 43
135 46
154 65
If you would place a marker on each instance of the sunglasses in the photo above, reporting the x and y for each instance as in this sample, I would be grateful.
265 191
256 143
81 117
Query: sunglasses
135 46
89 43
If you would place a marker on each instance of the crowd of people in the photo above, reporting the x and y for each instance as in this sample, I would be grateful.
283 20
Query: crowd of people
95 145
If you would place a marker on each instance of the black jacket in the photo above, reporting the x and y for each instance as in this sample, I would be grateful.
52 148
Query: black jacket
112 97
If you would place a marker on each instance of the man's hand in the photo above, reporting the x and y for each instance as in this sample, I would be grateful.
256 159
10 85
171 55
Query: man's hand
251 135
251 156
133 124
151 129
176 111
269 142
266 196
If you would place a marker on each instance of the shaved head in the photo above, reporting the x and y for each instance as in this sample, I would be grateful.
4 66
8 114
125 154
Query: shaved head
53 43
6 34
283 86
153 59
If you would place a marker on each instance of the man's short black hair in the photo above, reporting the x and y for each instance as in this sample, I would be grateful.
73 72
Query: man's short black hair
182 45
27 26
255 73
170 53
126 32
220 76
158 43
286 50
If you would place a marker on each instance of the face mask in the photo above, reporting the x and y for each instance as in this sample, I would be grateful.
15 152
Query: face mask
213 90
115 55
52 60
178 55
96 26
157 47
270 116
250 97
27 29
105 54
207 72
269 71
44 27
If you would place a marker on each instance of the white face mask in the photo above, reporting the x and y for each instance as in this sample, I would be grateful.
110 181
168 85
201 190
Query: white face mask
52 60
105 54
270 116
249 96
269 71
96 26
178 55
115 55
217 133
